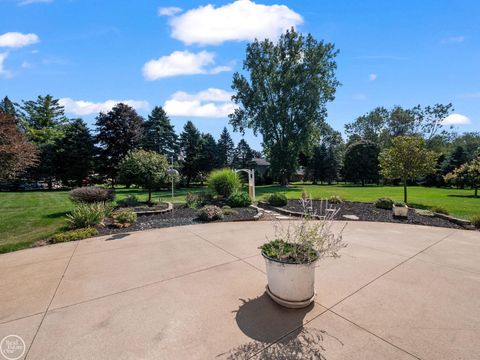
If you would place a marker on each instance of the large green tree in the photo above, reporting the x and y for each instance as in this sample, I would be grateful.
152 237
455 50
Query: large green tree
190 140
147 169
372 126
225 149
207 156
158 133
74 153
466 174
407 159
118 132
361 162
8 107
285 95
243 155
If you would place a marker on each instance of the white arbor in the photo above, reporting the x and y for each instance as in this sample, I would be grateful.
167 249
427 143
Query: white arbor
251 182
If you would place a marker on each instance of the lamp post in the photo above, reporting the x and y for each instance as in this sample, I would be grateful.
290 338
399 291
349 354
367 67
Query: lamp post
172 173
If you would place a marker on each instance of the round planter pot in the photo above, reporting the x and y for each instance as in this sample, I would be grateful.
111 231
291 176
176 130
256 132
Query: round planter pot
290 285
400 211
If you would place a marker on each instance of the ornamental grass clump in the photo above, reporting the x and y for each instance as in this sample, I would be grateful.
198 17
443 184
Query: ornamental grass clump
307 240
88 215
224 182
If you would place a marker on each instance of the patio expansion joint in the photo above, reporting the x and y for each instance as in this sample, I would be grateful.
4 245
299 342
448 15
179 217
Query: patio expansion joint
51 300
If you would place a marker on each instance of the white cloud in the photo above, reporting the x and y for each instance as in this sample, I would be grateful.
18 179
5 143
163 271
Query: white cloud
16 39
3 71
26 65
359 97
29 2
210 103
372 77
474 95
456 119
453 40
81 107
182 63
169 11
238 21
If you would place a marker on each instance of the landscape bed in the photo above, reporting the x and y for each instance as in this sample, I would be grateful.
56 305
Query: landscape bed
180 215
368 212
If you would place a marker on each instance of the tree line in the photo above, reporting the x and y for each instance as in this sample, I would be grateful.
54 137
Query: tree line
38 142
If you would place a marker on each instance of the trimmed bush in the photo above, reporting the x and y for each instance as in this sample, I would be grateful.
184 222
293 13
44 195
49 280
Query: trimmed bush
125 216
335 199
88 215
476 221
277 199
439 209
229 211
239 199
73 235
129 201
384 203
91 194
210 213
224 182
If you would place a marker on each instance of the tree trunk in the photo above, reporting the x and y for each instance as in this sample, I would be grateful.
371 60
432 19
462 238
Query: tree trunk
363 182
405 191
149 195
284 180
476 191
50 185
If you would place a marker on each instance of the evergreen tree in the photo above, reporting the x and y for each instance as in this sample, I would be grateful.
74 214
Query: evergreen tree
8 107
361 162
243 155
226 149
456 158
118 132
159 134
74 153
207 154
190 147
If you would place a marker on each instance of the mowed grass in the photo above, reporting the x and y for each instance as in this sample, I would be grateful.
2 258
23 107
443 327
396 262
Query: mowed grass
26 217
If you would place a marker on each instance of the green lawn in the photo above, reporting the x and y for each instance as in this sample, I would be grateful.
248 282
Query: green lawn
29 216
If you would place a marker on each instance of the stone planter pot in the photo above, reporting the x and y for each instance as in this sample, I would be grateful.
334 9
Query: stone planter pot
290 285
400 211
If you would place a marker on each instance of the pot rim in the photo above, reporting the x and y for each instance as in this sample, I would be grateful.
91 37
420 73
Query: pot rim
288 263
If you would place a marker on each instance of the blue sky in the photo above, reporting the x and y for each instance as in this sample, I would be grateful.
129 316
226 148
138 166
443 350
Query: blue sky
182 54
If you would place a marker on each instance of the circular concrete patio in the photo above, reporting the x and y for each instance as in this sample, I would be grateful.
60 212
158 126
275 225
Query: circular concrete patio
197 292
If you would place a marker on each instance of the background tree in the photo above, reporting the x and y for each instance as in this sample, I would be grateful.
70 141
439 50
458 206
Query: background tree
225 149
243 155
147 169
75 153
8 107
118 132
190 146
466 174
372 127
16 154
407 159
456 158
285 97
361 162
207 156
44 120
159 134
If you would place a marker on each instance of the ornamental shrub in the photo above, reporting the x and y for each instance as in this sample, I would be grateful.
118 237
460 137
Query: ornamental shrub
384 203
129 201
88 215
72 235
224 182
125 216
277 199
476 221
91 194
335 199
239 199
210 213
192 200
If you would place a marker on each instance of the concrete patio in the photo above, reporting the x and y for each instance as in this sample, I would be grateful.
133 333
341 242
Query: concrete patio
197 292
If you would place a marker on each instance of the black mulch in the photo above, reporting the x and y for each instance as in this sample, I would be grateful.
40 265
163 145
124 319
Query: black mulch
368 212
179 216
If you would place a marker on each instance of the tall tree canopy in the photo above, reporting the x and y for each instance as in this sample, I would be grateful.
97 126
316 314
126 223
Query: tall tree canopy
466 174
74 153
16 154
243 155
158 133
190 145
207 156
225 149
284 99
8 107
407 159
361 162
118 132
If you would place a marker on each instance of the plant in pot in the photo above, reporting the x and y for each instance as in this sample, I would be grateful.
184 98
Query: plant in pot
400 209
290 258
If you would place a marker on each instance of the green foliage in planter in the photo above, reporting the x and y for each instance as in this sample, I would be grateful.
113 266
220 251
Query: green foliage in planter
72 235
439 209
125 216
87 215
288 252
224 182
475 219
210 213
399 203
277 199
129 201
384 203
239 199
91 194
335 199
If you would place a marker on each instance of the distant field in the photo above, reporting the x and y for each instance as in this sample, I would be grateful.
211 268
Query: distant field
29 216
